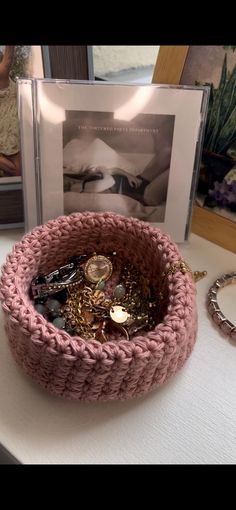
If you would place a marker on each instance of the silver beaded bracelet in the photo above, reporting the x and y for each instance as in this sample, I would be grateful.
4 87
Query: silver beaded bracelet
213 307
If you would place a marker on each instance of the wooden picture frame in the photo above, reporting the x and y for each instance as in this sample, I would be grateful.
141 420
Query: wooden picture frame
209 225
169 65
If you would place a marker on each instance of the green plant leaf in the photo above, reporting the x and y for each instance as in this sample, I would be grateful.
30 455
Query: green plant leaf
229 47
214 114
228 102
215 132
214 121
209 113
227 134
221 123
223 74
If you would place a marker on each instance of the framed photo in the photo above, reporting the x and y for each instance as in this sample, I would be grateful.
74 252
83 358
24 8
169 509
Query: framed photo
131 149
28 154
15 62
214 215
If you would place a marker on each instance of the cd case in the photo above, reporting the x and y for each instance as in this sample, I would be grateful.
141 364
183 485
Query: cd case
131 149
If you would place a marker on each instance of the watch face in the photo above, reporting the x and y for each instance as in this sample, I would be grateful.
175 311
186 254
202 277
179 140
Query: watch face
98 268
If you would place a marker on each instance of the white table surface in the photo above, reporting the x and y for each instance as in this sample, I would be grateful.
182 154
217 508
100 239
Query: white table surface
189 420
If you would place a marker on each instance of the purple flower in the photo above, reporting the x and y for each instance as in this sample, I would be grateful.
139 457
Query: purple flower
224 194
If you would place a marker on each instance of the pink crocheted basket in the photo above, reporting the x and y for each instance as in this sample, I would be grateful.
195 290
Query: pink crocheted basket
88 370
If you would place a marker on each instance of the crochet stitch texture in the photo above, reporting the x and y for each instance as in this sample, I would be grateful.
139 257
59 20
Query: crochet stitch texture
72 367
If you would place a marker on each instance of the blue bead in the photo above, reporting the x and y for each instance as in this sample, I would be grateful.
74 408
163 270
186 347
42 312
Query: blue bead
119 291
59 322
52 316
53 305
101 285
40 308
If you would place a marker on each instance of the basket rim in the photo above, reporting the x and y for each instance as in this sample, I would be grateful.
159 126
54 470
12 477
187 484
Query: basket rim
77 344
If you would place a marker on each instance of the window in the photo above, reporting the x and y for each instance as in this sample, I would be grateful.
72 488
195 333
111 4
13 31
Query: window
134 64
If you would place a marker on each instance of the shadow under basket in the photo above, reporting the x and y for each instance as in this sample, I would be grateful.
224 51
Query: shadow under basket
87 370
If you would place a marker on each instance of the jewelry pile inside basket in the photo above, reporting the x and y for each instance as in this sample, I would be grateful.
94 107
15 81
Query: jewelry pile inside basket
93 295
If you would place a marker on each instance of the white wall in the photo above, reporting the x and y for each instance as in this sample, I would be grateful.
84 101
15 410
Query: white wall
109 59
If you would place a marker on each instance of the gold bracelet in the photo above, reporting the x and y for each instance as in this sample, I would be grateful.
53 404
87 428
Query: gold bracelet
183 267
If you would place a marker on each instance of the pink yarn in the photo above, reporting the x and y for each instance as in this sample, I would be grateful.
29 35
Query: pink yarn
88 370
